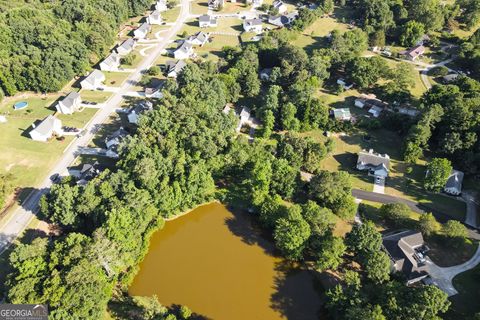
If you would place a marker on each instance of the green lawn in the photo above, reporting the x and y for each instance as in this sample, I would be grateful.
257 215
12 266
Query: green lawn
26 159
226 25
213 49
465 303
136 61
78 119
171 15
199 7
95 96
115 79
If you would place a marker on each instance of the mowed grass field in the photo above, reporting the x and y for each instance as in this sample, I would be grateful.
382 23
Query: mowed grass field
27 160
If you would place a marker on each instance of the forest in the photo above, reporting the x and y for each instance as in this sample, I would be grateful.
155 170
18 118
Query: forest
45 44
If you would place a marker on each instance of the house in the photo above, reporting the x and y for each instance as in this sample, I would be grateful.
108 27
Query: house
115 138
344 84
46 129
252 25
408 111
205 21
454 183
173 68
279 6
265 74
216 4
161 5
88 172
153 93
70 103
283 20
413 53
255 3
126 47
342 114
375 111
93 80
376 164
142 31
111 63
370 102
244 117
184 51
155 18
137 111
450 77
198 39
406 250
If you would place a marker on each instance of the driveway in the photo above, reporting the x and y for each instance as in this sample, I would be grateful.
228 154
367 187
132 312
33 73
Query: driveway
471 216
442 277
378 185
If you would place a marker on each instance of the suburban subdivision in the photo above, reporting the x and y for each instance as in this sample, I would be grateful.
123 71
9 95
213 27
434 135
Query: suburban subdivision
240 159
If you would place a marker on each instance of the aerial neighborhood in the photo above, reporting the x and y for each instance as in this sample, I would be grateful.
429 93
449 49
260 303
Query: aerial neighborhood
306 158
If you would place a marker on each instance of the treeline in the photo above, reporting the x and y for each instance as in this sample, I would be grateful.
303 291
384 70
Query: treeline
45 44
449 125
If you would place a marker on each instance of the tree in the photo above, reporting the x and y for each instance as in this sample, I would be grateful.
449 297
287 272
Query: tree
427 224
288 119
455 231
284 178
261 177
128 59
411 33
6 187
377 266
291 235
321 220
331 252
397 213
428 12
185 312
365 72
333 190
364 238
438 171
268 123
154 71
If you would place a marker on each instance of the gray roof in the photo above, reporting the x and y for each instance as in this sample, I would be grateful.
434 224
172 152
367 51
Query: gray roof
402 248
145 27
112 59
278 3
205 18
341 113
415 51
47 125
200 36
176 66
253 22
127 44
69 100
142 107
94 76
185 47
455 180
373 159
279 20
156 14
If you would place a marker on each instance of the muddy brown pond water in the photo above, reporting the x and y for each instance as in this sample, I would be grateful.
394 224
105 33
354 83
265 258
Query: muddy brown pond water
216 262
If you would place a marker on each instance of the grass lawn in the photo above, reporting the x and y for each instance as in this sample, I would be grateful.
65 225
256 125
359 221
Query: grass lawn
95 96
26 159
171 15
465 303
115 79
419 88
213 49
399 183
136 61
342 227
199 7
78 119
235 7
224 25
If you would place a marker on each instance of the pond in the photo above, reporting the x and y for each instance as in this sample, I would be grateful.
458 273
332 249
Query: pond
216 262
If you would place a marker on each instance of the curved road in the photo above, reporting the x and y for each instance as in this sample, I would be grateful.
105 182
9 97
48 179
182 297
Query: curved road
24 214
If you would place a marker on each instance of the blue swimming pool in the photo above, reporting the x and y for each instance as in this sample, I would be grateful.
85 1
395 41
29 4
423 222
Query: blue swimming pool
20 105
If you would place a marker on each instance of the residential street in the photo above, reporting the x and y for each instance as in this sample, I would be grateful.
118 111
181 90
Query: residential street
24 214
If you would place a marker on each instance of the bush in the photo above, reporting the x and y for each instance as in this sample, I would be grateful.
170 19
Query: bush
154 71
439 71
128 59
396 213
455 230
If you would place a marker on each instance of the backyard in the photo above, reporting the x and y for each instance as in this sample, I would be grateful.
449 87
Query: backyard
465 303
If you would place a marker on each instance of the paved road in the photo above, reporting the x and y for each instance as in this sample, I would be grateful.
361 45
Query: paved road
414 206
471 216
24 214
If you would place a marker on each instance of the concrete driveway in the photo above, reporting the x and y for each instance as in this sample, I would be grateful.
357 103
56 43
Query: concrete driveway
442 277
379 185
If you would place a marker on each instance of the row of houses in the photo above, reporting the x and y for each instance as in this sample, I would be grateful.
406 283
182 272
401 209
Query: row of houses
185 49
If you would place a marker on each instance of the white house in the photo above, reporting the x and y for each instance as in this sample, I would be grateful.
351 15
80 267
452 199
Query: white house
142 31
173 68
280 6
198 39
256 3
93 80
216 4
376 164
252 25
205 21
70 103
283 20
375 111
344 84
126 47
161 5
454 183
116 137
111 62
155 18
136 111
184 51
342 114
244 118
46 129
413 53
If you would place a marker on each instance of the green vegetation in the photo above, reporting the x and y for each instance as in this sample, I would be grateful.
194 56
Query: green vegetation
73 36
